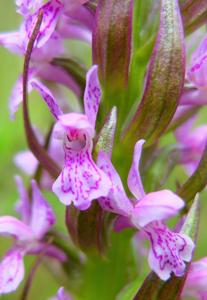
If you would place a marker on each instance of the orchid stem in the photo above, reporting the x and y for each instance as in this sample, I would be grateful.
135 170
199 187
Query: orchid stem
34 268
39 152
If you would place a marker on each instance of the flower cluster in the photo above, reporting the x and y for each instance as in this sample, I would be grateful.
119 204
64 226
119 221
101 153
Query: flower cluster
82 144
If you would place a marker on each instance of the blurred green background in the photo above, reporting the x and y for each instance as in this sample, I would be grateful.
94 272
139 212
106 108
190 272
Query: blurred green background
12 140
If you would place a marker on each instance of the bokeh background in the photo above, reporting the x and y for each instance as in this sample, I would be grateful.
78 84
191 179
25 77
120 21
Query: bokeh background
12 140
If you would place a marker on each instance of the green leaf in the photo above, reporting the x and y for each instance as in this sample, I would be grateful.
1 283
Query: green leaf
164 82
155 289
129 291
145 24
112 51
154 160
194 14
105 138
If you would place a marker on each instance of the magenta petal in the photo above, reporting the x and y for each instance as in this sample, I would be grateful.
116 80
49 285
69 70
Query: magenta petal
61 295
134 179
69 29
58 75
154 206
117 200
43 217
49 250
198 65
197 72
194 96
12 226
51 12
48 97
196 281
122 223
12 41
26 162
73 122
80 181
168 250
23 206
11 271
16 97
92 95
24 6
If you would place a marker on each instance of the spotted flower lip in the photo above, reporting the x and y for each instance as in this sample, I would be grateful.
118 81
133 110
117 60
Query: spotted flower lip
37 219
168 250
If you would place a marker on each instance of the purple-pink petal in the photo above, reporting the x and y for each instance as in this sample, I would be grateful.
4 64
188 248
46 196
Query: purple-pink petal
16 97
51 13
134 178
154 206
11 271
48 97
12 41
117 200
49 250
42 218
198 66
24 6
92 95
26 162
23 206
73 123
196 281
12 226
69 29
61 295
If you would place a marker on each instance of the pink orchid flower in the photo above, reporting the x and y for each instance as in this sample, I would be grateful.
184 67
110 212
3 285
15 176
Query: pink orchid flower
56 26
196 281
80 181
168 250
37 219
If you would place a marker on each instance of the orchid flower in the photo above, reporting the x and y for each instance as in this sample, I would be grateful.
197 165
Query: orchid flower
37 219
168 250
55 27
196 281
80 181
193 142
